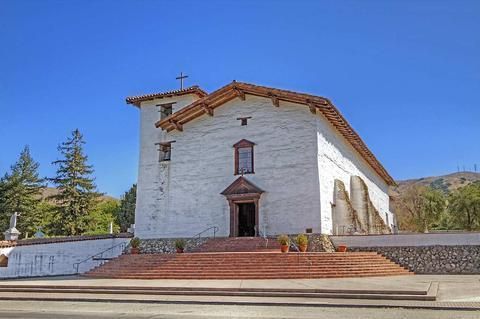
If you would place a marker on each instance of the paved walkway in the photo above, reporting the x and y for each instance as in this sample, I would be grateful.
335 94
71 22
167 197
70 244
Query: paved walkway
461 291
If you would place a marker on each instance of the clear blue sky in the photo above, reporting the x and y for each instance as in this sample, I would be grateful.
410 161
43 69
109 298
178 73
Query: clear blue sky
406 74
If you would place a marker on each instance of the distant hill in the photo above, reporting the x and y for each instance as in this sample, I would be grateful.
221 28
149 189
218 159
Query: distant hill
445 183
50 191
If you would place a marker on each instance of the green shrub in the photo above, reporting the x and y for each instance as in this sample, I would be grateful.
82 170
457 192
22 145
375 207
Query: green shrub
283 240
180 243
135 242
302 240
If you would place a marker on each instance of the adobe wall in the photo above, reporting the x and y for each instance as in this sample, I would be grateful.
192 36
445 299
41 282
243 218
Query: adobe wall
57 256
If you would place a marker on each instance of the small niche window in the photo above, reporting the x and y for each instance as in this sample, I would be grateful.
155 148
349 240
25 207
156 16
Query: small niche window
244 157
165 110
164 151
244 120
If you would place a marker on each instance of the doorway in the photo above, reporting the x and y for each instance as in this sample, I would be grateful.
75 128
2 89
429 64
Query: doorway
246 219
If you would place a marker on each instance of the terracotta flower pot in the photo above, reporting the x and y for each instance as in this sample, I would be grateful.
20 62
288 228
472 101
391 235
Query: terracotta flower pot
342 248
284 248
179 250
134 251
303 248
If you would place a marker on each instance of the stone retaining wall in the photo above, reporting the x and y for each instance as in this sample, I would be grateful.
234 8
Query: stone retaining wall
167 245
439 259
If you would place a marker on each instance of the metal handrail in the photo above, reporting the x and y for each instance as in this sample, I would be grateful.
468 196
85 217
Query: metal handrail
97 257
292 243
199 235
263 235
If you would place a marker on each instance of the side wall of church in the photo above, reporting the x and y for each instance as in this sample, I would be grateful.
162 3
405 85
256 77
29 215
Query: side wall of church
337 159
152 186
202 166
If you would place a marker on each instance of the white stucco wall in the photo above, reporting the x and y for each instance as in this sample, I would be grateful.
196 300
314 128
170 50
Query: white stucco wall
56 258
151 180
202 166
337 159
297 157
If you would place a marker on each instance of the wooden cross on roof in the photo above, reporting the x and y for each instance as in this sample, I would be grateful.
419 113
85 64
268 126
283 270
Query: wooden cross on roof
181 77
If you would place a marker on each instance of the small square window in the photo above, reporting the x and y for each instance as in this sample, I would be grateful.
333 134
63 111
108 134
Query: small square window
165 110
164 151
244 120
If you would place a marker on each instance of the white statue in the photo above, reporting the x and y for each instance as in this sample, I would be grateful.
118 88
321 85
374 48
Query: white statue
12 233
13 220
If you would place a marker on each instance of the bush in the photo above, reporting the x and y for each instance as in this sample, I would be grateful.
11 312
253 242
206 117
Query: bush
135 242
180 243
283 240
301 240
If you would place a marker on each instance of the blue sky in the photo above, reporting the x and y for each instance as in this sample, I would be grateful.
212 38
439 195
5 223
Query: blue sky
406 74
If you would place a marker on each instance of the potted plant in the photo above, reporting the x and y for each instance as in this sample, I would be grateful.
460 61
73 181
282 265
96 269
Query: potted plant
342 248
284 243
134 246
180 245
302 242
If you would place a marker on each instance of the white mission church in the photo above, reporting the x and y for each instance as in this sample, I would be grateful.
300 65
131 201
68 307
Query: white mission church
254 160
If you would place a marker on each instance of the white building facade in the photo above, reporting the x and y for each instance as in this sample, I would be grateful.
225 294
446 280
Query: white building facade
248 159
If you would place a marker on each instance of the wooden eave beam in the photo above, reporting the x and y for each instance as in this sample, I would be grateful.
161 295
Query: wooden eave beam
275 99
208 110
177 125
239 93
311 106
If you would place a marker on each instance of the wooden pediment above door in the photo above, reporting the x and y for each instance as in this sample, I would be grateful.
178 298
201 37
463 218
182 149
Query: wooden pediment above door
241 186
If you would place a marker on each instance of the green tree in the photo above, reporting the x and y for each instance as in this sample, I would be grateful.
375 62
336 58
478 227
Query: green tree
98 220
420 208
464 207
77 191
126 212
20 191
434 203
45 214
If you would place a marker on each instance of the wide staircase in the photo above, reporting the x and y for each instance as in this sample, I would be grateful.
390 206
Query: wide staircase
248 265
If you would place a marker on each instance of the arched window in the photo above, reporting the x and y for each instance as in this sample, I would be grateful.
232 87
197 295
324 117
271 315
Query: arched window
244 157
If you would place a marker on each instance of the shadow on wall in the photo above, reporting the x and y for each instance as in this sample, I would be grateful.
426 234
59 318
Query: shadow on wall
356 215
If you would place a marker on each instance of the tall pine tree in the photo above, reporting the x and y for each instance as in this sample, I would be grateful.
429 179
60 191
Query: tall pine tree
20 191
126 212
77 191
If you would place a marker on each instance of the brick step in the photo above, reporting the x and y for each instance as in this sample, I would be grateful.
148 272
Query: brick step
252 258
243 275
236 270
248 271
255 276
252 261
253 266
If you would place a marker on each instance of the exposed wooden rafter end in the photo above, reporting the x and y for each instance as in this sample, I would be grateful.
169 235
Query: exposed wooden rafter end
240 94
275 100
208 110
177 125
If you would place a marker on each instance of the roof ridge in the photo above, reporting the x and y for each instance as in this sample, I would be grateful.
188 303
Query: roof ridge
137 99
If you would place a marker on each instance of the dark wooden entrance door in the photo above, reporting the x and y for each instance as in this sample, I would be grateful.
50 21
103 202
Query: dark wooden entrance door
246 219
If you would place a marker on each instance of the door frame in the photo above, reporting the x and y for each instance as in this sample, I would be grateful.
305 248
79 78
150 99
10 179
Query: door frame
233 200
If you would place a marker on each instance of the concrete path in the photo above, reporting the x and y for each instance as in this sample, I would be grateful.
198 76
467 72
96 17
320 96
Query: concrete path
454 292
81 310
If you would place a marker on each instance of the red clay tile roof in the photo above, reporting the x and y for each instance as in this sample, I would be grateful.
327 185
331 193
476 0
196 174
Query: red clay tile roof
136 100
208 103
55 240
